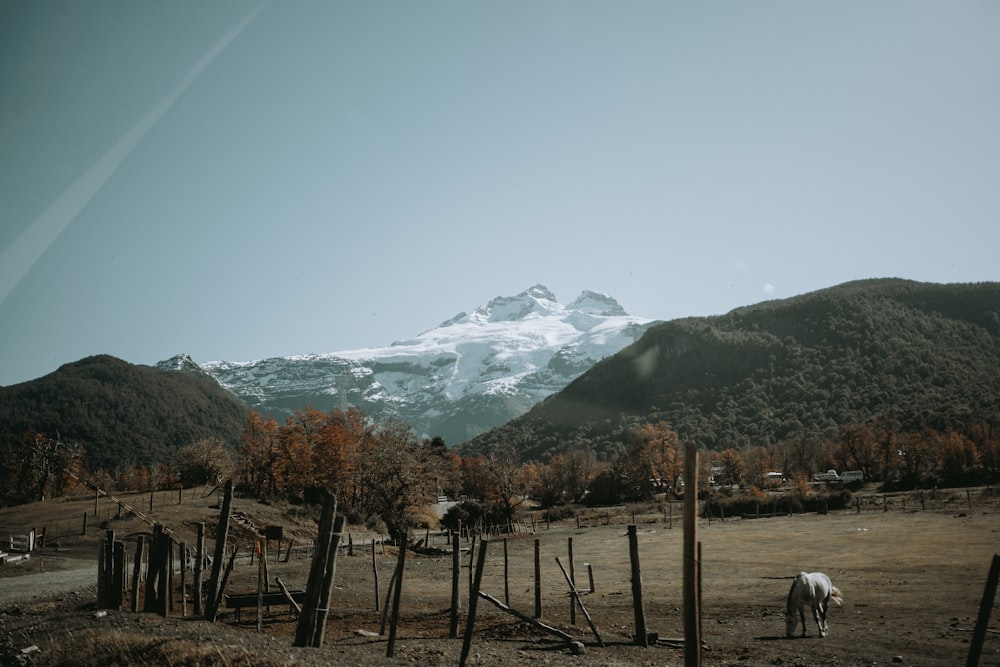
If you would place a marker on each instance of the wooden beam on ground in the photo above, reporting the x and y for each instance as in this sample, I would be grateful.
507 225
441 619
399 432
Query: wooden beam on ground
524 617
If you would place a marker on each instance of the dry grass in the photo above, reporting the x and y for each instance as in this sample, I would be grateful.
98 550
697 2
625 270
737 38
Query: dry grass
912 582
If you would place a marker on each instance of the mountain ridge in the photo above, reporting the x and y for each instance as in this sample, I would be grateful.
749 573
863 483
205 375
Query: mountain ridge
923 354
471 373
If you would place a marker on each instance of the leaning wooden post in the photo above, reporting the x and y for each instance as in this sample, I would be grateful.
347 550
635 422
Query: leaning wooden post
326 592
306 629
641 634
221 535
390 649
575 594
985 607
692 629
473 599
456 568
198 566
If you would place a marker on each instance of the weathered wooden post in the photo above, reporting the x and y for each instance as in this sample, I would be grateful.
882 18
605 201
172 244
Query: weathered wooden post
198 566
118 580
221 535
473 599
136 569
329 574
572 582
375 573
306 629
985 607
692 628
641 634
390 649
538 578
506 577
456 567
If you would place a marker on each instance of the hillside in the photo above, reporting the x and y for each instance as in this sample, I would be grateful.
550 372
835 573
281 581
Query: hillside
793 368
120 412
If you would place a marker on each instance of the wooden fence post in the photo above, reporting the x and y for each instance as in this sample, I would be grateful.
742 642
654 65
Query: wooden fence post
473 599
538 578
641 634
221 535
390 649
306 629
329 575
572 582
199 564
692 629
456 566
985 607
136 569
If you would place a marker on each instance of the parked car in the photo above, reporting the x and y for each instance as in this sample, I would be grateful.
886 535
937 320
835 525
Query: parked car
828 476
852 476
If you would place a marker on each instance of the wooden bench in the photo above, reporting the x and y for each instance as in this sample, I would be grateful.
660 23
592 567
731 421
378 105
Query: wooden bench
238 601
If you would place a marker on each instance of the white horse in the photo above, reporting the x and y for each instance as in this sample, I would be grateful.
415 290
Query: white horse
815 590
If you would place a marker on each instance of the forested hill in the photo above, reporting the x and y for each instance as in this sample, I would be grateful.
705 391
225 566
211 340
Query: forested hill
924 354
121 413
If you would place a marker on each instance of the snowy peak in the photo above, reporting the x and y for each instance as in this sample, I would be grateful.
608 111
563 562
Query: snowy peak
180 362
595 303
471 373
537 300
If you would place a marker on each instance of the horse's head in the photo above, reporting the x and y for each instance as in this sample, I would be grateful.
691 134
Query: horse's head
790 621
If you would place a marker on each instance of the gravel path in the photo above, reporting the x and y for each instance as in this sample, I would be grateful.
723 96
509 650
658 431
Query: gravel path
14 590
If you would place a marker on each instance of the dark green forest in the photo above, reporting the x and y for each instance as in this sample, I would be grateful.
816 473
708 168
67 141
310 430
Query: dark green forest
121 413
924 355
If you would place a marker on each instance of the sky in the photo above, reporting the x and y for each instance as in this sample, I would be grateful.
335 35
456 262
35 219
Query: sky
241 179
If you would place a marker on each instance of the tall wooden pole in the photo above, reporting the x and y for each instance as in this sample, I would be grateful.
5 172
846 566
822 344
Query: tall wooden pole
198 567
221 535
641 634
456 567
470 622
985 607
692 628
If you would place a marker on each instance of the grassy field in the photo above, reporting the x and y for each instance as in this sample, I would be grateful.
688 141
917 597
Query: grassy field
912 576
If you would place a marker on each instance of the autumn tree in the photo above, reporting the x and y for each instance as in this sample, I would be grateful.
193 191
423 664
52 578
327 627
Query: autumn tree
205 461
396 479
655 457
731 467
565 477
46 463
858 449
258 453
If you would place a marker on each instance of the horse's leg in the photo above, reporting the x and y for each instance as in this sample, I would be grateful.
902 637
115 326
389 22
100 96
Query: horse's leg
820 614
802 615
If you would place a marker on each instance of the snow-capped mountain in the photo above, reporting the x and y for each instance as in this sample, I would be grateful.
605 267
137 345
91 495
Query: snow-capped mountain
473 372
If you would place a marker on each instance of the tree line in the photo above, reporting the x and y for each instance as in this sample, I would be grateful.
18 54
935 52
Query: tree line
387 477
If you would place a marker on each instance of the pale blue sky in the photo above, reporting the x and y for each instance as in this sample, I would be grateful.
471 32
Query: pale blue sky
238 180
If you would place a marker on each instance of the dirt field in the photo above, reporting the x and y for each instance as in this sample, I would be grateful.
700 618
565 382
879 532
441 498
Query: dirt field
911 580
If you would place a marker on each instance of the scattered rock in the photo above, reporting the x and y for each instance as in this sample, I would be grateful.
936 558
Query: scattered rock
577 648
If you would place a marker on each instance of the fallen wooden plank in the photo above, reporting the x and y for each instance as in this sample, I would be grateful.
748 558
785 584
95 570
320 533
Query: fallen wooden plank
524 617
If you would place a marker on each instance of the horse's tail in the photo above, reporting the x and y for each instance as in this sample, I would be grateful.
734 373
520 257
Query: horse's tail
836 596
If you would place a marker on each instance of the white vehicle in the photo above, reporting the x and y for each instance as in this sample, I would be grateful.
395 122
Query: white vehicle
852 476
828 476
